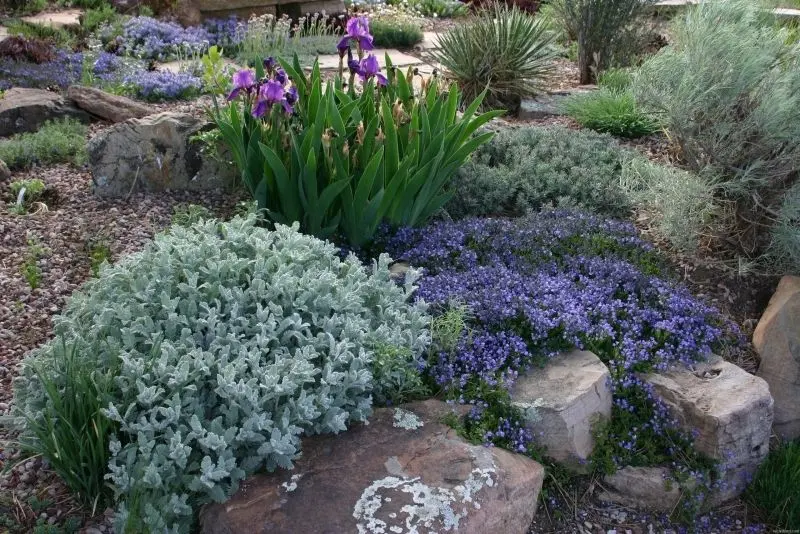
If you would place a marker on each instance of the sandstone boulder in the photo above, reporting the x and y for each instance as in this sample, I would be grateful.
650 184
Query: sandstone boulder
26 110
727 409
154 153
563 401
777 340
105 105
641 487
403 472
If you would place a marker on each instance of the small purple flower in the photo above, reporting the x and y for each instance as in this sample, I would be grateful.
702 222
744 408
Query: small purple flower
371 68
271 93
243 80
280 76
291 96
269 64
354 66
358 31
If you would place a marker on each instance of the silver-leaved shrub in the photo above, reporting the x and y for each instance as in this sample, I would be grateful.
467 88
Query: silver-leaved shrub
229 342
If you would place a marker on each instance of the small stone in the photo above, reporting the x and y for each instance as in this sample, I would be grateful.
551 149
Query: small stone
641 487
612 531
588 524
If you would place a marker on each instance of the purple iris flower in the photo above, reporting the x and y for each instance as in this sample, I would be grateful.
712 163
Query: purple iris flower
269 64
243 80
280 76
271 93
370 67
357 30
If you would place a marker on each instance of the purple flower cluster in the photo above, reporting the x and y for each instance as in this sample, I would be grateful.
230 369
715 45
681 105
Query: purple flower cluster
223 32
62 72
262 95
149 38
106 66
163 85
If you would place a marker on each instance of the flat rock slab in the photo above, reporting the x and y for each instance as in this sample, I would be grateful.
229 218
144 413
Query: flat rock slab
549 105
399 59
430 40
390 476
110 107
728 410
154 153
777 340
60 19
3 32
563 401
641 487
26 110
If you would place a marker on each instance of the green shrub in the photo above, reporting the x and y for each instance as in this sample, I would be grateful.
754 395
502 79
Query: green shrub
94 18
226 342
58 36
395 33
528 168
71 432
55 142
615 79
611 112
774 489
267 36
27 7
189 214
740 123
784 248
680 204
606 31
31 191
502 50
346 161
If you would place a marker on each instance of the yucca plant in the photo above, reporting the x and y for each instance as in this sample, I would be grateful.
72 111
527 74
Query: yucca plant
502 50
341 160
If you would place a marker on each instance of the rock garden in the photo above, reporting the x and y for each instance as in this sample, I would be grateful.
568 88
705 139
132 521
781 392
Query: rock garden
402 266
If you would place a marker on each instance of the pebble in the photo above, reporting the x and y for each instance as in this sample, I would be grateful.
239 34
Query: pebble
3 407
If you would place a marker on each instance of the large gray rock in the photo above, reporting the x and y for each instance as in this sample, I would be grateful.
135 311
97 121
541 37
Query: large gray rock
641 487
110 107
727 409
563 401
777 340
393 475
26 110
154 153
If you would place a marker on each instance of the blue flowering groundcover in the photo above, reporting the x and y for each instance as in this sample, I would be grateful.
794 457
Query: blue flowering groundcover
538 285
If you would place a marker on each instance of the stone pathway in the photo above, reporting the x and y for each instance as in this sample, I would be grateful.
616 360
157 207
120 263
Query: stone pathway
399 59
430 40
69 17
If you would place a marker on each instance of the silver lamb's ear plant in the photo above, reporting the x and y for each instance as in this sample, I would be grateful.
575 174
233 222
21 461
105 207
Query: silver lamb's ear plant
225 343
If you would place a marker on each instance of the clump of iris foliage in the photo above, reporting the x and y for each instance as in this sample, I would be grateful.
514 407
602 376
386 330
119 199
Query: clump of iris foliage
533 287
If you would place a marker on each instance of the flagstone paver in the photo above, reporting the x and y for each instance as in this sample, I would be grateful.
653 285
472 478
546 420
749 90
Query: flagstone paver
69 17
399 59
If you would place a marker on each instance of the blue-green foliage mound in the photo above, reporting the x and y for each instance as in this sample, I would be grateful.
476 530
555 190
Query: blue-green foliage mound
227 342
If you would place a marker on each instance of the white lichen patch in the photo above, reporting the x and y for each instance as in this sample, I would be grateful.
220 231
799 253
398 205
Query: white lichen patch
432 509
406 420
292 484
